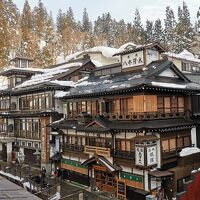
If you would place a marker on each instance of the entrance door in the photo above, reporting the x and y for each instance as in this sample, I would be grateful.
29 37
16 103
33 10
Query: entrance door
105 181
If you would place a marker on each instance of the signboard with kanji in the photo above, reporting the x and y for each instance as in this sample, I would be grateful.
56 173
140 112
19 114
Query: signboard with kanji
139 156
151 156
133 59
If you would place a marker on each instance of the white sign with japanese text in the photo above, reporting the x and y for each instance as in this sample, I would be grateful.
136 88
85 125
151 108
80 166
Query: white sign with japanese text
139 156
133 59
151 155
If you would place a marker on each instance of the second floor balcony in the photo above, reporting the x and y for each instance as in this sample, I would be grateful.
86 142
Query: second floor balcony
73 147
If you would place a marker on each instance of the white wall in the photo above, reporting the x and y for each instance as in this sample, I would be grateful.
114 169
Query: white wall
194 136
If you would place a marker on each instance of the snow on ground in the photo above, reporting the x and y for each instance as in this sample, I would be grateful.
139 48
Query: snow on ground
188 151
11 176
57 196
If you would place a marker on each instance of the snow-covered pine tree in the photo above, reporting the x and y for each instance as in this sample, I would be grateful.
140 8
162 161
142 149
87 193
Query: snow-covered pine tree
170 25
86 24
158 35
197 24
139 34
86 31
149 30
183 31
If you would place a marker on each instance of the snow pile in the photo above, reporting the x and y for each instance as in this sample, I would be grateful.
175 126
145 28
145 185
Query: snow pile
185 55
107 81
106 51
168 85
30 186
86 83
57 196
62 59
55 122
60 94
11 176
130 45
188 151
135 76
63 83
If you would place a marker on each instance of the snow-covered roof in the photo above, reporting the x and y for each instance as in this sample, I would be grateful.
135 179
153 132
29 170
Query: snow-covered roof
169 85
106 51
49 74
60 94
184 55
188 151
9 68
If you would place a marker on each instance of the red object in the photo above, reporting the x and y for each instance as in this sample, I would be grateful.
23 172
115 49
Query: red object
193 189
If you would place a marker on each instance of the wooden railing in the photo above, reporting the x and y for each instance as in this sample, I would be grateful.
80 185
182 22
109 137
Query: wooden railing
73 147
145 115
102 151
123 154
140 115
167 154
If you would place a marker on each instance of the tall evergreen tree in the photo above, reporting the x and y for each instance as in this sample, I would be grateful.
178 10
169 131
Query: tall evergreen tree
4 39
139 35
28 38
149 31
197 24
39 19
170 25
184 31
158 32
12 17
86 24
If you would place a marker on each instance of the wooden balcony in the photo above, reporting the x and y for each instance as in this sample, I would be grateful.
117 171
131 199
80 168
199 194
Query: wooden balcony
102 151
140 115
123 154
73 147
145 115
172 153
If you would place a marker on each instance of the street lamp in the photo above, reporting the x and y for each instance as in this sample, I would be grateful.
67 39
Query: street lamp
20 158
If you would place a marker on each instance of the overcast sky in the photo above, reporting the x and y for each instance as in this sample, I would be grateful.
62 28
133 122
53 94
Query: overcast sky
119 9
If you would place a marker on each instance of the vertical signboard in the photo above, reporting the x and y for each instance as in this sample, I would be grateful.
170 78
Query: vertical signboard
139 155
151 155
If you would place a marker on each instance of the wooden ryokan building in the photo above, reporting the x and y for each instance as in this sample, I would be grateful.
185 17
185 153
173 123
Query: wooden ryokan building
126 124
